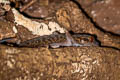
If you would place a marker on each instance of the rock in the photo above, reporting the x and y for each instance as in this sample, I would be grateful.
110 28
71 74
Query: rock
67 63
105 13
6 30
64 63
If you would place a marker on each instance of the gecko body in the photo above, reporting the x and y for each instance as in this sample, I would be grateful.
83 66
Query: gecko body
58 40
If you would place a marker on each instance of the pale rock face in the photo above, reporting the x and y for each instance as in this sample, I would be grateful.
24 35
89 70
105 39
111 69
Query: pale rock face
5 1
35 27
15 30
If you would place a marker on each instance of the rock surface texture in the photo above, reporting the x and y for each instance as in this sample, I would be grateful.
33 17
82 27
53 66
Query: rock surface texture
70 63
104 12
64 63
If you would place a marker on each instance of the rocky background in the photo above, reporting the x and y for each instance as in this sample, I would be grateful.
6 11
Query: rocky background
19 20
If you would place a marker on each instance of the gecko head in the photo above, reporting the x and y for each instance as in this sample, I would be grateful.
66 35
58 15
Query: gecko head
90 40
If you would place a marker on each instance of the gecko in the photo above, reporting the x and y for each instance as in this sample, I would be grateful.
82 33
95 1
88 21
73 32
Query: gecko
61 40
57 40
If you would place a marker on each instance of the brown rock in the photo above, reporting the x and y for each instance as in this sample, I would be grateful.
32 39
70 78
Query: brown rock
105 13
72 63
6 30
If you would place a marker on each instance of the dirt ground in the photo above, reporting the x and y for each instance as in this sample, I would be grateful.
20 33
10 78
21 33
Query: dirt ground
22 20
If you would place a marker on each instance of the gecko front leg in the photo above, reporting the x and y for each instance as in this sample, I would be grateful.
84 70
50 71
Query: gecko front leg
68 42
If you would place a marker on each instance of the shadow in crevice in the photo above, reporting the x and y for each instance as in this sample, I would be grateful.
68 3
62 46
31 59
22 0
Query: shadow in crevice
111 47
91 19
17 46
